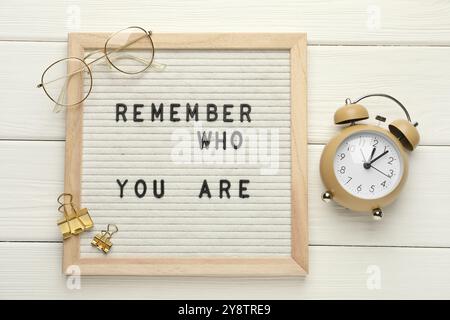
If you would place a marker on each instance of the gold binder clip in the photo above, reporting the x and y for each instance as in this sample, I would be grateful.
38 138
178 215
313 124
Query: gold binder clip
74 222
103 240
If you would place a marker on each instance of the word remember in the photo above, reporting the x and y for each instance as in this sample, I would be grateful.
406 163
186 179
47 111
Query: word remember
173 112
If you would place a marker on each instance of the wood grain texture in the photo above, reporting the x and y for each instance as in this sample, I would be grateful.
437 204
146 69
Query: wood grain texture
348 21
334 74
200 40
73 146
299 154
408 273
28 205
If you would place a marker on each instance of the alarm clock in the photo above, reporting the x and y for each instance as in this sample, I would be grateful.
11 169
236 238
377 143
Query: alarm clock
365 166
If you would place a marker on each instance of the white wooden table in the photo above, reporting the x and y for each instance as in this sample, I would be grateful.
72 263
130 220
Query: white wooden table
398 47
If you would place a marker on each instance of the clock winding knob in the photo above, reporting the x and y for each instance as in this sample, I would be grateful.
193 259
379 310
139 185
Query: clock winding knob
377 214
327 196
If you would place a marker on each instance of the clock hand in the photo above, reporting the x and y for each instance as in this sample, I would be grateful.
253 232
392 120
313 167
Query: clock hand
382 172
372 154
366 164
381 155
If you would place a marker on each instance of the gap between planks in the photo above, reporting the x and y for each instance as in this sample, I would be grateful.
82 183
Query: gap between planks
310 245
311 43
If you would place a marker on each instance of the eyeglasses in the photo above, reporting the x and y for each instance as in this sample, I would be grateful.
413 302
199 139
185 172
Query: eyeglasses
55 83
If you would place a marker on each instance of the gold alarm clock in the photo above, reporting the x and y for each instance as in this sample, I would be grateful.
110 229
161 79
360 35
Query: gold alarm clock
364 167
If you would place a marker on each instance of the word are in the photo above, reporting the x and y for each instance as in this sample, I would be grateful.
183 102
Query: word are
175 113
224 188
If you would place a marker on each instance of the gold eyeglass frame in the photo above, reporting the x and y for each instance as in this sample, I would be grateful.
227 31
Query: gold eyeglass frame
87 65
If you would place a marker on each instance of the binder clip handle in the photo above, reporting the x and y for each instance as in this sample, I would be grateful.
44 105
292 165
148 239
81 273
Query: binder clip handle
108 233
62 196
111 229
62 207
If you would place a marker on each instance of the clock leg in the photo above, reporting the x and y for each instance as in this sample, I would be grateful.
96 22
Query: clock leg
377 214
327 196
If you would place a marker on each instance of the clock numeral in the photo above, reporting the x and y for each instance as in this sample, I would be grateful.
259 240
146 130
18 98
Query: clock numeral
391 173
351 148
349 179
383 184
342 170
391 159
372 188
341 156
375 142
385 149
359 188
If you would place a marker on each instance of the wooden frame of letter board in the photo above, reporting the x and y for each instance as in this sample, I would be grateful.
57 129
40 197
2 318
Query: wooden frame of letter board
297 264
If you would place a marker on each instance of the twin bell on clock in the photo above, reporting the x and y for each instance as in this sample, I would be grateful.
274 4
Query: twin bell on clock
365 166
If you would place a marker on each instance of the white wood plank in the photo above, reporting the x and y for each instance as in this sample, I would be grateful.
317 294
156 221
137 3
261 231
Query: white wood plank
348 21
28 111
33 176
33 270
415 75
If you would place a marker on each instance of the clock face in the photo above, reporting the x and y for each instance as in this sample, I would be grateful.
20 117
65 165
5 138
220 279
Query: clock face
368 165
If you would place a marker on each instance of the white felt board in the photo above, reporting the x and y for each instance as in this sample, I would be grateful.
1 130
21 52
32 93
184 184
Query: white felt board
180 223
